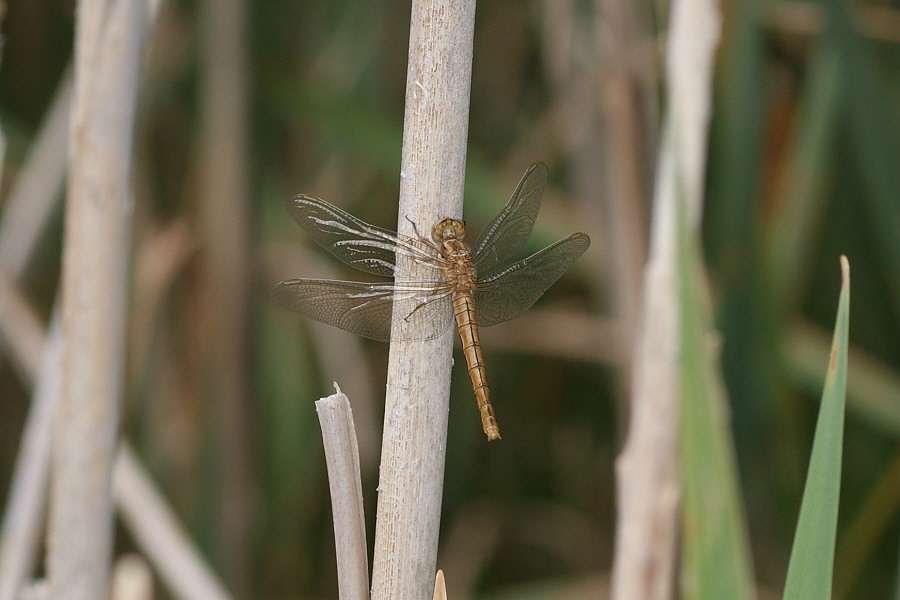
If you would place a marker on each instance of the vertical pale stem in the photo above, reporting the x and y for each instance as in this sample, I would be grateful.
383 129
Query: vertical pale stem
26 502
415 424
224 226
107 51
647 469
647 476
342 458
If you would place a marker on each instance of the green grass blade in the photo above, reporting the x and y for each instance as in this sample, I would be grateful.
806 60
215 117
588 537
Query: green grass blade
812 556
715 549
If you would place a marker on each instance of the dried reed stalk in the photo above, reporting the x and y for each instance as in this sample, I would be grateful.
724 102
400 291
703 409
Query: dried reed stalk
438 82
26 503
342 458
647 470
108 41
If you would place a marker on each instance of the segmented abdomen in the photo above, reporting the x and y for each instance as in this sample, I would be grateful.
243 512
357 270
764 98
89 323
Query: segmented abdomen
467 322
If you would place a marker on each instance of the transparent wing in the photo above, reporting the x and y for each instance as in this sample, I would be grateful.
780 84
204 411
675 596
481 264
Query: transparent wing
366 309
510 229
509 291
355 242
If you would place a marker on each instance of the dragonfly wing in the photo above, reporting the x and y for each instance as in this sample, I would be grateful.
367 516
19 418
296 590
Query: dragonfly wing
509 291
509 230
366 309
355 242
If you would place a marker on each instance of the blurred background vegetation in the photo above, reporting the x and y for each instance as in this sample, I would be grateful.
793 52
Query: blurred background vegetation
803 166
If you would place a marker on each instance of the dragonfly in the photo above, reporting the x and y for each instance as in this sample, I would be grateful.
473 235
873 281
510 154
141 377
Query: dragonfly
473 286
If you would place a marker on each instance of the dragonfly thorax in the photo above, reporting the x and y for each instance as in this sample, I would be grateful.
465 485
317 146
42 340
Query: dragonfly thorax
448 229
452 281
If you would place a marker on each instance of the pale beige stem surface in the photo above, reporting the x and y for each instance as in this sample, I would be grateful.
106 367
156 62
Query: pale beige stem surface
345 485
26 503
438 82
647 469
108 41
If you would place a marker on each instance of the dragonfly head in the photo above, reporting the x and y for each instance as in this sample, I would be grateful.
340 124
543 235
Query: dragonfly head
448 229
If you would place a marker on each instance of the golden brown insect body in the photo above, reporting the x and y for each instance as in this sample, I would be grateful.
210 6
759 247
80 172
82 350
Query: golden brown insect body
460 276
452 277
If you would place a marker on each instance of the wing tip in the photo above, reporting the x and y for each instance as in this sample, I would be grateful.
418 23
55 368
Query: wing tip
583 238
537 171
579 241
538 166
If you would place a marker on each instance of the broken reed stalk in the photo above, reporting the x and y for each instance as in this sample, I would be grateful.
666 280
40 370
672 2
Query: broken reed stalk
345 485
432 171
108 43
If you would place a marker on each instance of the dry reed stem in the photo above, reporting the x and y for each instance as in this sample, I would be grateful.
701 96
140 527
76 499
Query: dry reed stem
108 41
648 483
345 484
24 214
29 204
35 193
438 82
222 310
24 516
151 523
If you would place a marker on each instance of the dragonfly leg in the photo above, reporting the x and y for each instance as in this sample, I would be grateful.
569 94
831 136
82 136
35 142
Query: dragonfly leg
416 230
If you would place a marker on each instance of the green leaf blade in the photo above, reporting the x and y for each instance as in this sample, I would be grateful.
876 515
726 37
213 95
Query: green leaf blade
812 556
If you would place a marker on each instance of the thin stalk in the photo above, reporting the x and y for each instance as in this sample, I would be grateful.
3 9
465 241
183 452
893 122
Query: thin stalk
107 53
26 503
224 232
647 469
345 485
438 82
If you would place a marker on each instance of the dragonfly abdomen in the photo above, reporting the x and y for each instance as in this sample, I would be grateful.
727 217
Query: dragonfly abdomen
450 270
467 323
